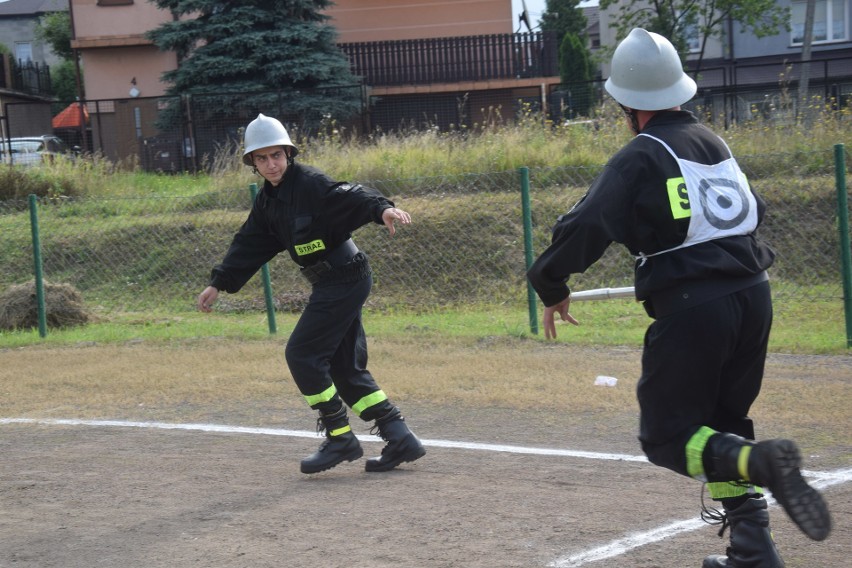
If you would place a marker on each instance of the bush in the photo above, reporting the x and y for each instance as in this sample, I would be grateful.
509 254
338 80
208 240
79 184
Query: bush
19 182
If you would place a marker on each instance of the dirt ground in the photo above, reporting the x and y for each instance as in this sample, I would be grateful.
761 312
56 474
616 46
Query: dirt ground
124 496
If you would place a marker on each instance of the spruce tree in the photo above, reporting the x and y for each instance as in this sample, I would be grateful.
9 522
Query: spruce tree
274 56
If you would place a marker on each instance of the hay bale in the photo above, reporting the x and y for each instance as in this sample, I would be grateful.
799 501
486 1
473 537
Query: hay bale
63 304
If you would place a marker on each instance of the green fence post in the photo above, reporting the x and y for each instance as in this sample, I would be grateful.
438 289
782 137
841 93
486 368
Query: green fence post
528 245
843 226
39 276
267 285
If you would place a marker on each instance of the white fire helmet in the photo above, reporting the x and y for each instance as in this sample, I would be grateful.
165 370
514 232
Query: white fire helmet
262 132
647 73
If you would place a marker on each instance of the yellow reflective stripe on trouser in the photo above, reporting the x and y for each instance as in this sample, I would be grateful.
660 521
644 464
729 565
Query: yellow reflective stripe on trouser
695 453
728 489
324 396
695 467
742 461
368 401
339 431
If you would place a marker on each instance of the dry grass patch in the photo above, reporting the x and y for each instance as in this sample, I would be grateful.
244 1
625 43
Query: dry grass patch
804 397
64 306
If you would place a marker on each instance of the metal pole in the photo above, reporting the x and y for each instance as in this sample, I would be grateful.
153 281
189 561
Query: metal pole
528 245
843 227
39 276
603 294
267 285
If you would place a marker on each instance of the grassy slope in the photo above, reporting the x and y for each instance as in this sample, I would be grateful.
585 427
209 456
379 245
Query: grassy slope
800 327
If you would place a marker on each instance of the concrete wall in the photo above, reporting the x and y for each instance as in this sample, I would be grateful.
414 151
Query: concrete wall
22 29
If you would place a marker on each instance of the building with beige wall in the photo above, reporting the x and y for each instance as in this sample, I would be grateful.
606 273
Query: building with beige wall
110 34
114 53
448 62
381 20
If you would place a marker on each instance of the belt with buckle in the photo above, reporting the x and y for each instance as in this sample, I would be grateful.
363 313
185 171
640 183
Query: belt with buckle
341 255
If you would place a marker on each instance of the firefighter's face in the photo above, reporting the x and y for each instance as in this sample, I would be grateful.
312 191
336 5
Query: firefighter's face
271 163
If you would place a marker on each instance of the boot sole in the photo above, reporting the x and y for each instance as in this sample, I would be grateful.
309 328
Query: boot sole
411 455
803 503
715 561
351 456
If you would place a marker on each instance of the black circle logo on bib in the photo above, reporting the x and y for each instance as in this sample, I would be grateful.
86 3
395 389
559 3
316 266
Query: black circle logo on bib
719 195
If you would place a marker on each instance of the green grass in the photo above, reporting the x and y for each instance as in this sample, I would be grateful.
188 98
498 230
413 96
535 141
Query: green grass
500 144
805 328
497 146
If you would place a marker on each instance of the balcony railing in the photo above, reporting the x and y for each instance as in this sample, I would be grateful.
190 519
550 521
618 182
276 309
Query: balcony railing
31 78
454 59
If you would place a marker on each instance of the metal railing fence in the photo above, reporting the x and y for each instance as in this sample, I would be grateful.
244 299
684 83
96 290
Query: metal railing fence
454 59
185 133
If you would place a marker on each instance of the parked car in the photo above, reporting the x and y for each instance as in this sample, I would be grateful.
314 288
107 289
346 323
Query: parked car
32 150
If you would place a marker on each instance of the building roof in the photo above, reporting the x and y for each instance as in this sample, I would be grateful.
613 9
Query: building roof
32 7
70 116
593 17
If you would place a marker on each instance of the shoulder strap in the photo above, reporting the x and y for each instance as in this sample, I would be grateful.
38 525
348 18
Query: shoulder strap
666 146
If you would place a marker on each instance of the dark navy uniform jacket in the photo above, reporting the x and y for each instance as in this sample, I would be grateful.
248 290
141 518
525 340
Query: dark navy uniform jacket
308 214
628 204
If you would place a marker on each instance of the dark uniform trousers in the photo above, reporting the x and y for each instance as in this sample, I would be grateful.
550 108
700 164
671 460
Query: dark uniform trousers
702 366
328 345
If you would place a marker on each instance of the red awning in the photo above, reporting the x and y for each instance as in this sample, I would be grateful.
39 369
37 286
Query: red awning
70 117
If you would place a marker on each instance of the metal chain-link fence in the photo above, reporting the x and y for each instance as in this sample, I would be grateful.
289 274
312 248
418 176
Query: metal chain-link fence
464 247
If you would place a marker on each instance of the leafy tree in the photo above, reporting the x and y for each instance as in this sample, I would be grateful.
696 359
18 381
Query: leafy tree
54 29
678 19
63 81
575 73
562 17
276 51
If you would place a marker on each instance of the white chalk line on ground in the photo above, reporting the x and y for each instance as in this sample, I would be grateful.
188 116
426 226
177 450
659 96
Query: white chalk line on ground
819 479
309 434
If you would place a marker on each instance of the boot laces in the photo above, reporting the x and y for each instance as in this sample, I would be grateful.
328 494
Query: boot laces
376 430
712 515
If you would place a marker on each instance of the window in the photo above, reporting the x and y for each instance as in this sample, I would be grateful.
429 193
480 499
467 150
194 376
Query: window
829 21
692 35
689 24
114 2
23 51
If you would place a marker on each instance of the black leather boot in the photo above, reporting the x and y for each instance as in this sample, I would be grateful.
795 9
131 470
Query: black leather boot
340 443
774 464
752 545
402 444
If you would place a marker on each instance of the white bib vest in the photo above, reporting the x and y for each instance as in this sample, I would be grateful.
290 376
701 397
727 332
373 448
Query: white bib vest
716 199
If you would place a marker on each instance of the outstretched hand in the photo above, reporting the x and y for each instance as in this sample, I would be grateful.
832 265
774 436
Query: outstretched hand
206 299
549 317
393 214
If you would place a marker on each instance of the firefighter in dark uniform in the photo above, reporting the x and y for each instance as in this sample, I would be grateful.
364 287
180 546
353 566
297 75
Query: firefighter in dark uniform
303 211
675 197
